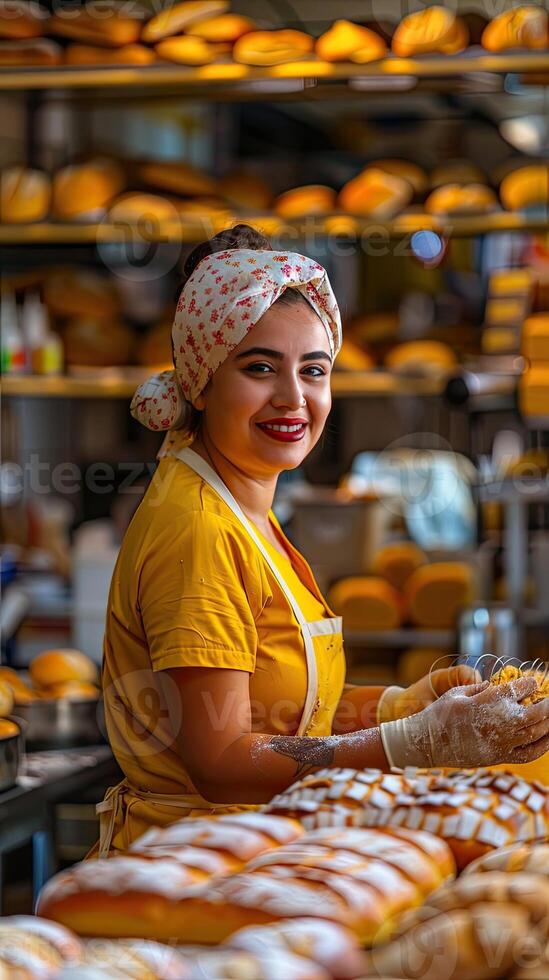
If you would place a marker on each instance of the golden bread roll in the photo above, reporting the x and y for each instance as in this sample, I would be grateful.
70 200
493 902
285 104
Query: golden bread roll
535 337
510 282
457 172
525 187
22 693
224 28
179 177
149 208
86 189
133 958
418 662
510 673
526 890
415 175
433 29
505 310
8 729
533 391
92 342
38 947
21 19
375 194
367 603
396 562
473 811
6 699
88 54
421 357
312 199
59 666
436 593
186 50
461 199
96 23
272 47
34 52
352 357
180 17
76 292
455 945
73 691
247 190
218 846
521 27
345 41
532 858
155 349
373 327
331 946
25 195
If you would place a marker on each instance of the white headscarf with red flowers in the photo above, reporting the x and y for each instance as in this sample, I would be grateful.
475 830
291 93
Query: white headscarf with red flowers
222 300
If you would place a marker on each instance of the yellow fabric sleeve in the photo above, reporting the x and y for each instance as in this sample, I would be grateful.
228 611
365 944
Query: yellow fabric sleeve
198 588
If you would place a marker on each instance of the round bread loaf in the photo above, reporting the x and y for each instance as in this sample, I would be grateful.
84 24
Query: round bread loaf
86 189
8 728
474 811
54 667
396 562
367 603
374 193
330 946
139 959
313 199
272 47
6 699
35 946
532 858
432 29
345 41
20 19
436 593
26 195
180 17
521 27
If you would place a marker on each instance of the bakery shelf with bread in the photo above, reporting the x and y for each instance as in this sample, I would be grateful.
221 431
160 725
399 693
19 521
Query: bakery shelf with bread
53 674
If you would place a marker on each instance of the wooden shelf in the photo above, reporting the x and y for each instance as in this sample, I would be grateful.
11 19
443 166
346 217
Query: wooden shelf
236 80
122 382
333 226
406 637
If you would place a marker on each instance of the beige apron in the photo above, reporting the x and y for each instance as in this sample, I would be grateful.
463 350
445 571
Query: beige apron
111 808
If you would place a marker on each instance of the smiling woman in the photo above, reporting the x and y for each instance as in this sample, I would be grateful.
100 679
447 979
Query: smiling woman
224 668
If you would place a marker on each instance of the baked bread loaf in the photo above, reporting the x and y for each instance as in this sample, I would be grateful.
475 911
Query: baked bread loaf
88 54
8 728
395 562
95 23
151 208
247 190
312 199
345 41
525 187
268 962
375 194
138 959
181 17
330 946
39 52
437 592
186 50
461 199
434 29
155 348
226 28
74 292
6 699
72 691
353 357
264 48
367 603
84 190
511 282
179 178
520 27
533 390
59 666
22 692
532 858
535 337
218 846
424 357
415 175
474 812
90 342
21 19
33 947
371 328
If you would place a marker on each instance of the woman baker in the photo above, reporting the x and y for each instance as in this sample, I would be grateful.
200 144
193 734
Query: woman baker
224 668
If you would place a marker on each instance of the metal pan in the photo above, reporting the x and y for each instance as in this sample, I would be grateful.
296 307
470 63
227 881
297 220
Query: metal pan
11 750
61 723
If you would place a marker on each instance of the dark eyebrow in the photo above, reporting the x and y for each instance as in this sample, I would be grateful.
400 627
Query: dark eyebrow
316 355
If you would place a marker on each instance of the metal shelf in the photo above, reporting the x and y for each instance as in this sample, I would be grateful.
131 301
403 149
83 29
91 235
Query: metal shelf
407 637
235 80
122 382
332 226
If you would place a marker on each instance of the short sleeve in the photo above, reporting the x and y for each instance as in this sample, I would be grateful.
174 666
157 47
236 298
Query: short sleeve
197 591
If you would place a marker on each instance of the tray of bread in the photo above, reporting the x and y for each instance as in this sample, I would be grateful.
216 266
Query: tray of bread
57 705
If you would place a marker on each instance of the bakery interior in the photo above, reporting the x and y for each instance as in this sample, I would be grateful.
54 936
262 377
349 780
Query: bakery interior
405 146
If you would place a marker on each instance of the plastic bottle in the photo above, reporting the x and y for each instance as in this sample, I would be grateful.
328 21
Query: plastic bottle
44 349
12 347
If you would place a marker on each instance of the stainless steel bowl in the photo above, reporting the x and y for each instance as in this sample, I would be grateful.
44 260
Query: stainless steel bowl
61 723
11 750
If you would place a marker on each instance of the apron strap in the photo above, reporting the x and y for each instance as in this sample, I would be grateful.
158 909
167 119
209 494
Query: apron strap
200 466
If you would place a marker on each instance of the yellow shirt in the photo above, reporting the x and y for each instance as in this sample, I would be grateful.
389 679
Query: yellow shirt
191 589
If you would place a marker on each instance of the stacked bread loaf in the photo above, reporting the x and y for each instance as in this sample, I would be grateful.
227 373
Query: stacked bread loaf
53 674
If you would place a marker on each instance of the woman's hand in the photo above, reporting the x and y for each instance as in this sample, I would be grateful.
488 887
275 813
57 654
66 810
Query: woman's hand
473 725
397 702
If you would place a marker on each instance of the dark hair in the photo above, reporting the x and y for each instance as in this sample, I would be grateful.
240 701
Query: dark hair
241 236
